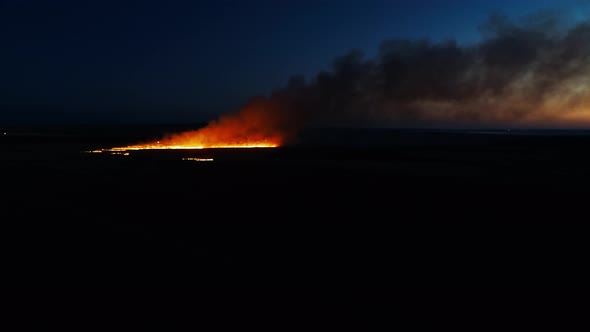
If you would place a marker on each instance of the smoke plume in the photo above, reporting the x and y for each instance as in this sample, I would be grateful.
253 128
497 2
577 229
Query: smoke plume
530 73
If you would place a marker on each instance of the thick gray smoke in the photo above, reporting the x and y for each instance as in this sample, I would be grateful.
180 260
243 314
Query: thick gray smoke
531 73
535 73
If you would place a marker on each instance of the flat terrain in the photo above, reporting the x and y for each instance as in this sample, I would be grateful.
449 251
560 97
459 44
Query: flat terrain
339 209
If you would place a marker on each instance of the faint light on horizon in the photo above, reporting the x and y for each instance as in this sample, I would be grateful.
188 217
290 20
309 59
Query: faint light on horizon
198 159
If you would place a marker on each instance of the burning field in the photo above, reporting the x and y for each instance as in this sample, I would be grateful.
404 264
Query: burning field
257 125
359 204
530 74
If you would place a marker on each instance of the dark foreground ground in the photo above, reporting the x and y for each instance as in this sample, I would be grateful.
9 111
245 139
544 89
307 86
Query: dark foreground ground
345 209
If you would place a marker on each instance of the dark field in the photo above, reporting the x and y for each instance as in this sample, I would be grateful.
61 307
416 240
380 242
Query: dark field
343 208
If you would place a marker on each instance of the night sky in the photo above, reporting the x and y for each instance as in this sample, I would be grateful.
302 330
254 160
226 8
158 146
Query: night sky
166 61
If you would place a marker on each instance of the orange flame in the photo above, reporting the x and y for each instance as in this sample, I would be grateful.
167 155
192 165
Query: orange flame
258 125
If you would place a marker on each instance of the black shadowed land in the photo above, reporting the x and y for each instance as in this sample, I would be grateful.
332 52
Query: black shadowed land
339 208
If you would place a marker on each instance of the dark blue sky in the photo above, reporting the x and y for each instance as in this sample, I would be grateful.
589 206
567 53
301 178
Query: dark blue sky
147 61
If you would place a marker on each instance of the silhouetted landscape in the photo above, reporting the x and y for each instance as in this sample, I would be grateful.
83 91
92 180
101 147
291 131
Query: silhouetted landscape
340 208
335 144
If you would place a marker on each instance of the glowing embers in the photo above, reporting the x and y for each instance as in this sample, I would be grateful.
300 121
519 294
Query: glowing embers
198 159
124 150
158 146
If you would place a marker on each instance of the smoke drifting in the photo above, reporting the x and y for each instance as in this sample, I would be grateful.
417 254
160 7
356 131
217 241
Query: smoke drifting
530 73
521 74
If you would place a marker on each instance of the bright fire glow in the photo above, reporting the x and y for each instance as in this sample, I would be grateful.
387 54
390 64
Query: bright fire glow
188 147
123 150
257 125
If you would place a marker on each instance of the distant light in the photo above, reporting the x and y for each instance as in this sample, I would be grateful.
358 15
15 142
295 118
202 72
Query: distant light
5 134
198 159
